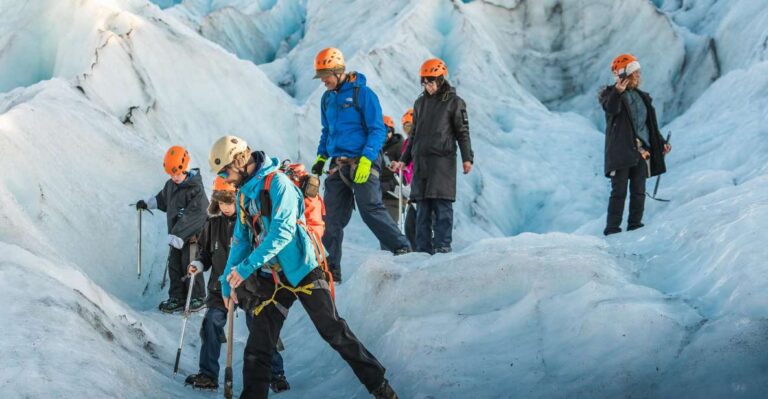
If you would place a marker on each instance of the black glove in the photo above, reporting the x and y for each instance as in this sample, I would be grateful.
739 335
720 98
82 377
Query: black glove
317 168
140 204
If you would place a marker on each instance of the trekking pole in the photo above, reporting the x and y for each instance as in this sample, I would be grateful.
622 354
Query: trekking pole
400 201
230 336
658 178
184 325
138 246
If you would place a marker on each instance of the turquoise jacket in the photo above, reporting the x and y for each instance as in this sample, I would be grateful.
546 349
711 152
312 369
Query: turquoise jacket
282 240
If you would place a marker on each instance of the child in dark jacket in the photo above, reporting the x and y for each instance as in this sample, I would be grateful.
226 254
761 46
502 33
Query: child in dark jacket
214 242
184 202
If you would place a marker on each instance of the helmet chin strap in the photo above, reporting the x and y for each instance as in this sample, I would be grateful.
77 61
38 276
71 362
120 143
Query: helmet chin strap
340 78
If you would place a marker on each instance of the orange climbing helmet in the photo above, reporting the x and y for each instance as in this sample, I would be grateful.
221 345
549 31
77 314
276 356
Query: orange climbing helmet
625 64
176 160
434 67
330 60
220 184
389 122
407 116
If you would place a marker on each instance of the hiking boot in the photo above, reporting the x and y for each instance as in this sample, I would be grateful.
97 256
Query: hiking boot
279 384
201 381
171 305
611 230
196 304
384 391
442 250
191 379
402 251
634 226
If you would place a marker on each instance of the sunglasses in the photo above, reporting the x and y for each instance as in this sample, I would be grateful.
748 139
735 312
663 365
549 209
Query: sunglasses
223 174
428 79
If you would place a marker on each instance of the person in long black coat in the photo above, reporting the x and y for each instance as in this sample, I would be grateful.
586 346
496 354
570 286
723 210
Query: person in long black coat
440 128
634 147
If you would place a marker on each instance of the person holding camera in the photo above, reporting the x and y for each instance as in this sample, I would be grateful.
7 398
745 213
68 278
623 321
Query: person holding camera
634 147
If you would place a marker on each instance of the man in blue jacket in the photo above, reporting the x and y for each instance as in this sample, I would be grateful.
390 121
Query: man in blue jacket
352 136
272 263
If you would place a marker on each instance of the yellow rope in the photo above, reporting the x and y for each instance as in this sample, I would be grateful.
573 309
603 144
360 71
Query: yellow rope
304 289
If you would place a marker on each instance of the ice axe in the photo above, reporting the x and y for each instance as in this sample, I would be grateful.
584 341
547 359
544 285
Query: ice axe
184 325
658 178
230 337
138 237
138 244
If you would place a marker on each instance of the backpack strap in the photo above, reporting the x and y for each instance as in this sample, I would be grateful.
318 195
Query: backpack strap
320 255
355 102
249 220
264 198
323 99
355 95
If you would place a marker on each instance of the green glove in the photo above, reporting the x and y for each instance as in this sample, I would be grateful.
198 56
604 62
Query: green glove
363 170
317 168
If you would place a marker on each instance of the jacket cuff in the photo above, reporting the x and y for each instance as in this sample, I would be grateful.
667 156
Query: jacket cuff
245 270
151 202
226 291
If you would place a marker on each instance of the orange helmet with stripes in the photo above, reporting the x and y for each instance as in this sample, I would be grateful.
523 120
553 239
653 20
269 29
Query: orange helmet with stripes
625 63
433 67
388 121
329 59
407 116
220 184
176 160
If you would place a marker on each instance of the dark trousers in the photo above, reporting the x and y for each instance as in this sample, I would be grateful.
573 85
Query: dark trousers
636 177
178 261
264 330
392 208
212 336
340 200
391 205
410 224
434 215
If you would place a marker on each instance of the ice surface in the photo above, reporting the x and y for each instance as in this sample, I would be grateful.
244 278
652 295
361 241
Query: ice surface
533 303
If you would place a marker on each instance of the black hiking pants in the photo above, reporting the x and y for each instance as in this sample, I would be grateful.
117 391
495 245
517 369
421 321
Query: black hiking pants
434 225
264 330
635 177
178 261
341 198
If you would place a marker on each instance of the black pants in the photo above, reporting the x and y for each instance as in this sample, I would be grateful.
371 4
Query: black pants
340 200
410 224
636 177
434 215
264 331
178 261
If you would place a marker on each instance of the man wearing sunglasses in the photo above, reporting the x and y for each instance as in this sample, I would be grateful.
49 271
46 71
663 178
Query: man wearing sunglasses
439 123
352 136
272 264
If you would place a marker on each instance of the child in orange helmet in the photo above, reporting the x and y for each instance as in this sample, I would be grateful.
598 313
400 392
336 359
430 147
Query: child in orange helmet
184 202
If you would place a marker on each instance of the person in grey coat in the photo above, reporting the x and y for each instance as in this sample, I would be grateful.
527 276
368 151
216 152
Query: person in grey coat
184 202
440 128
